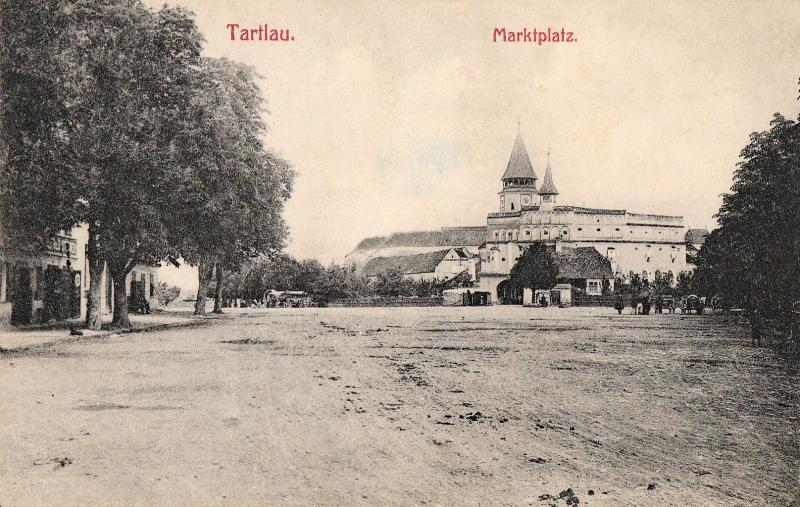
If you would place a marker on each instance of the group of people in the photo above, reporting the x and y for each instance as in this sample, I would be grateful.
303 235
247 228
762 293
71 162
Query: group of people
643 304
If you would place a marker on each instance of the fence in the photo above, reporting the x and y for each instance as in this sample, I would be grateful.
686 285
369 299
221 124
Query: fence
387 301
584 300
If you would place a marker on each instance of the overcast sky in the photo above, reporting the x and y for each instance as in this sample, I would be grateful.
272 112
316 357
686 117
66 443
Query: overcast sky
401 116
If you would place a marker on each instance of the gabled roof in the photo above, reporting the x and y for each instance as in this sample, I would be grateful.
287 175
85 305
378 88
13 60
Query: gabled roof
548 187
696 236
462 253
519 165
582 263
406 264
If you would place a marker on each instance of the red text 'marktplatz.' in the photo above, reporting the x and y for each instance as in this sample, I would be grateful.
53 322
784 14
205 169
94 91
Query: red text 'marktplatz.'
537 36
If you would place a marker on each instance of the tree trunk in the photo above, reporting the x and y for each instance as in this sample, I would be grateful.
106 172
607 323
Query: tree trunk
121 318
94 305
94 309
218 289
205 270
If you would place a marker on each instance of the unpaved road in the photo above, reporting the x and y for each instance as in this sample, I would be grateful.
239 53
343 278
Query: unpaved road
453 406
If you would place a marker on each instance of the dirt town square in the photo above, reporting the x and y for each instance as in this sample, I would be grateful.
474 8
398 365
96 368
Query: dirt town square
426 406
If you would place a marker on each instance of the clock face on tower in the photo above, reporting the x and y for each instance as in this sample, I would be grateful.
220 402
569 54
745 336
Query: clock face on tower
526 200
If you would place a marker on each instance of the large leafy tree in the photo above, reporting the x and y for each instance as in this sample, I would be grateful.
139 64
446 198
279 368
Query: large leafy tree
535 269
232 189
91 112
754 256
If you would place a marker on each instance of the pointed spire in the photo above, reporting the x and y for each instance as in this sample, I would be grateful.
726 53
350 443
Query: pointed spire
548 187
519 165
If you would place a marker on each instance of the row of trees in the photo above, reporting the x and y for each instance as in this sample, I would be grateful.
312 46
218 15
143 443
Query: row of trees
111 117
324 283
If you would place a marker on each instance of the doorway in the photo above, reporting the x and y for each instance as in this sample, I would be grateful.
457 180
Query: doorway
507 294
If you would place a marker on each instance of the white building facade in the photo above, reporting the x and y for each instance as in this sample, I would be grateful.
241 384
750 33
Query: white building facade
37 286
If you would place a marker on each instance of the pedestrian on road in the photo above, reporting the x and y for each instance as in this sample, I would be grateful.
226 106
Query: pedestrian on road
755 327
646 305
619 304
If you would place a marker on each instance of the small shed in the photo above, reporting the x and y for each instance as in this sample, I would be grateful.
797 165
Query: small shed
463 296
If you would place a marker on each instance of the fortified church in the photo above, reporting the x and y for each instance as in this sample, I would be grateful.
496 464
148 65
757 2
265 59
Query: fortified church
593 246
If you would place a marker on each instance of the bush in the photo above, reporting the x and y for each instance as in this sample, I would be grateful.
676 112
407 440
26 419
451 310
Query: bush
166 294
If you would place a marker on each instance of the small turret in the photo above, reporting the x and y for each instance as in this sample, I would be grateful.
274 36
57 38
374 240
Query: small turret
548 191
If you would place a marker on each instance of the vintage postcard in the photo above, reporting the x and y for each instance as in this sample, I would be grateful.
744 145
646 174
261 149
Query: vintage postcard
435 252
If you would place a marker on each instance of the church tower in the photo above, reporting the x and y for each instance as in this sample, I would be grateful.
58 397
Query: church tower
548 190
519 180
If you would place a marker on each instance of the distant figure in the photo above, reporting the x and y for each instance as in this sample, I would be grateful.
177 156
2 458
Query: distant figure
755 327
542 301
619 304
646 305
659 304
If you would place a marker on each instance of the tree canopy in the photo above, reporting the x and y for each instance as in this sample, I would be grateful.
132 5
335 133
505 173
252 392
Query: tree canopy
754 255
111 118
230 187
535 269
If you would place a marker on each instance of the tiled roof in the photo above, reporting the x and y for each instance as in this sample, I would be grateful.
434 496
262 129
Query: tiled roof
448 236
519 165
406 264
582 263
464 236
590 211
370 243
420 238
